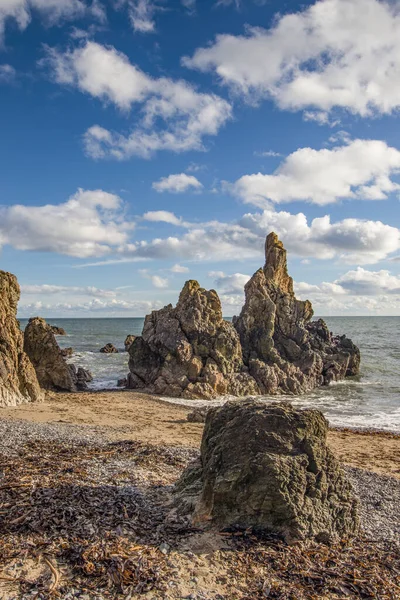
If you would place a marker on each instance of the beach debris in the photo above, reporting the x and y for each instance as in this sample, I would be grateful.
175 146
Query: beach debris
57 330
18 380
198 415
129 341
99 514
109 349
268 466
272 347
52 371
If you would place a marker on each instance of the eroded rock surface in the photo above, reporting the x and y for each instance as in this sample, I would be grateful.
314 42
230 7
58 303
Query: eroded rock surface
52 371
268 466
285 351
18 381
189 350
129 341
272 347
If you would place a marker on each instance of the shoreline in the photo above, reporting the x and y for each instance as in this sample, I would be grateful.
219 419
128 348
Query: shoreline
129 415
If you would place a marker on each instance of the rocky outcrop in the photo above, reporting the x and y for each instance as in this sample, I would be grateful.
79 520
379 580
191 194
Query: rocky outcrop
81 377
189 350
285 352
58 330
67 352
271 348
268 467
18 381
129 341
108 349
52 371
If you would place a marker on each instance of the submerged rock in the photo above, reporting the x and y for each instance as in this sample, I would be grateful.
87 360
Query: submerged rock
272 347
109 349
189 350
129 341
18 381
52 371
268 467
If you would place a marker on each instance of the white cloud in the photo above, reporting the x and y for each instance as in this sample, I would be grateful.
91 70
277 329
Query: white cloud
354 241
7 73
190 5
112 307
362 169
229 284
52 12
89 223
141 15
334 53
356 292
179 269
104 73
177 183
156 280
163 216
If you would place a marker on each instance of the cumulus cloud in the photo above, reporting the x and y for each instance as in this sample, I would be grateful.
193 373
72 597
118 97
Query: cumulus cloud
354 241
141 13
360 290
334 54
52 12
177 183
90 223
173 114
361 169
156 280
163 216
112 307
229 284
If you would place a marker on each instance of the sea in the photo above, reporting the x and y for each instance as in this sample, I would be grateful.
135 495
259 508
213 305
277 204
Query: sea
369 401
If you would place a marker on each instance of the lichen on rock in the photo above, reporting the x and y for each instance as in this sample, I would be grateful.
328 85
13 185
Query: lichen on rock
18 381
268 467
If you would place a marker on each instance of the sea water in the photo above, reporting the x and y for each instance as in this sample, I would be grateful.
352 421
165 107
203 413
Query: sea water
370 400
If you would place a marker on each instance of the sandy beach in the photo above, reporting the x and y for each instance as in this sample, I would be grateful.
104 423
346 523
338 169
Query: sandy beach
85 512
128 415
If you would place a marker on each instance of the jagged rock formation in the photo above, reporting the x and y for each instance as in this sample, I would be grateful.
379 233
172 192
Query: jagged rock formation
67 352
52 371
129 341
268 466
286 352
58 330
271 348
189 350
108 349
18 381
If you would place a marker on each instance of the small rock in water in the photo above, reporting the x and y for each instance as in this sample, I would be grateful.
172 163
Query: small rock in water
57 330
109 349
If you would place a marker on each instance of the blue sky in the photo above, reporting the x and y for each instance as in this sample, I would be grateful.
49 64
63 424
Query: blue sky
145 142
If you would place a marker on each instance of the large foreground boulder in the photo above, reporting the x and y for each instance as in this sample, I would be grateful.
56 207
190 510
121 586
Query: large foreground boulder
272 347
52 370
189 350
268 467
18 381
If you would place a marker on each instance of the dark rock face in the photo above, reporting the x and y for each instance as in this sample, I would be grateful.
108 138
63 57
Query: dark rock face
52 371
189 350
67 352
109 349
271 348
268 466
18 381
58 330
129 341
198 415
